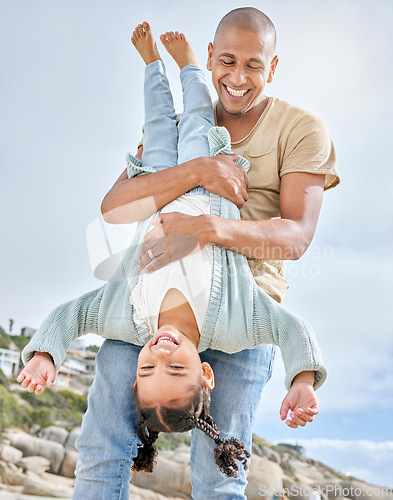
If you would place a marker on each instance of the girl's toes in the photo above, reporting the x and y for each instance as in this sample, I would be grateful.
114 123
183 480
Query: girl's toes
146 26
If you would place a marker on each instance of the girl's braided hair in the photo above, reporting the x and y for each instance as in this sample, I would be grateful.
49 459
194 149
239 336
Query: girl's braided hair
152 421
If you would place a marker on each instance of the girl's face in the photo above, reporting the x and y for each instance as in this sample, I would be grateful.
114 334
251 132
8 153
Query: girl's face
169 369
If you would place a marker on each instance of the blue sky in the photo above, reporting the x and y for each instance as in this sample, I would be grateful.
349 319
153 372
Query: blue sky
71 101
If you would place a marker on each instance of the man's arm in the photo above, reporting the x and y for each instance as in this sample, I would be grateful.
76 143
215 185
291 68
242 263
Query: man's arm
276 239
134 199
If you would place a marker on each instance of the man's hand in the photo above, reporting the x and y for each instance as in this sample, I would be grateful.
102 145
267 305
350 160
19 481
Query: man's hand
222 176
175 236
302 402
38 373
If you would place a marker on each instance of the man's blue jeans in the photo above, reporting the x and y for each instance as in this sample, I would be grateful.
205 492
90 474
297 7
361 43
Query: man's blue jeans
109 439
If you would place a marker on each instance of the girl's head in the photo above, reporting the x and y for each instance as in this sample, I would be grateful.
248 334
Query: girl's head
172 394
169 370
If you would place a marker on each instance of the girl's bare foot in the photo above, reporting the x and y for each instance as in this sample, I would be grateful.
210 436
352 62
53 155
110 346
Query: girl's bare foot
179 48
144 42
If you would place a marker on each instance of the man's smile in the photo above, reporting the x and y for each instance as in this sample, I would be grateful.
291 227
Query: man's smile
235 92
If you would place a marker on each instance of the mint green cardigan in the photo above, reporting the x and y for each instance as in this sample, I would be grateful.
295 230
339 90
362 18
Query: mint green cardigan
240 315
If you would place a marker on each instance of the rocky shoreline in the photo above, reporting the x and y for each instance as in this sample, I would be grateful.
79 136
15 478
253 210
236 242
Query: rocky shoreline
41 464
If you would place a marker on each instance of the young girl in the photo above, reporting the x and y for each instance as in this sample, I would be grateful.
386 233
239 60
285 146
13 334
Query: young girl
207 299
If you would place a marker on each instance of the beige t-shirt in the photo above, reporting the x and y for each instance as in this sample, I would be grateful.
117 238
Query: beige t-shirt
285 139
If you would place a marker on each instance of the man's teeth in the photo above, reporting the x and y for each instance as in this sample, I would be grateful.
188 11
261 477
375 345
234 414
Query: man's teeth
236 93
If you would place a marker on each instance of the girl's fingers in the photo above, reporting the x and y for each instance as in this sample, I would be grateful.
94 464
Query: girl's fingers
25 383
301 417
292 424
31 388
20 377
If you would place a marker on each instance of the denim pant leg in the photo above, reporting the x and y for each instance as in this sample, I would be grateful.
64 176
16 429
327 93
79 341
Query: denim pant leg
197 117
108 439
160 128
239 380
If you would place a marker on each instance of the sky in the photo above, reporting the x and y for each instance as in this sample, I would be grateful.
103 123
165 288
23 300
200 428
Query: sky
71 109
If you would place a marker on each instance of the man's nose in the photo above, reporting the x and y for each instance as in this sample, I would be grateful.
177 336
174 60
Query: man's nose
238 76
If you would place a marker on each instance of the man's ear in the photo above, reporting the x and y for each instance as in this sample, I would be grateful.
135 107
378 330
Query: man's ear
134 384
209 63
273 66
208 375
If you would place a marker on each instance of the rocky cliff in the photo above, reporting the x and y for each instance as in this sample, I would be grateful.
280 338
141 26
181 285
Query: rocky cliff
41 464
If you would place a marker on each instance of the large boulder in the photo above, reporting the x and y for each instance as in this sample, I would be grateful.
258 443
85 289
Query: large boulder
171 476
69 463
11 474
47 488
72 437
10 454
357 490
296 490
137 493
38 465
264 479
32 446
330 488
306 470
270 454
54 433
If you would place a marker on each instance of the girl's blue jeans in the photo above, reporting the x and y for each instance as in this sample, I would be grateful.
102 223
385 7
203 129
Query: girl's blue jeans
166 141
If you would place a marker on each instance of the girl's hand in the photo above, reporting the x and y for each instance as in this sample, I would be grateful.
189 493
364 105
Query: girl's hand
38 373
302 402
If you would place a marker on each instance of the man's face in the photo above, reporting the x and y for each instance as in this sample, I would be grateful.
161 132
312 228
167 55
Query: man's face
241 64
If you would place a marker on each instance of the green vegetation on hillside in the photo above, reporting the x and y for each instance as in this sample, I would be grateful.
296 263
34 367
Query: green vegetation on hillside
44 410
5 340
58 405
12 414
20 341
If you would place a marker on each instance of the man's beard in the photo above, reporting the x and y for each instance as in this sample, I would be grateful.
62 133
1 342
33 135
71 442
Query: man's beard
242 112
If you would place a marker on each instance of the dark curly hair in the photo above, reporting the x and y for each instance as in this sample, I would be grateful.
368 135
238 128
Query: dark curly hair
154 420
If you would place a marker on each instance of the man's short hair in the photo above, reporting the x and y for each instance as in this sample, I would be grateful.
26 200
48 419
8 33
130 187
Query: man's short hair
249 19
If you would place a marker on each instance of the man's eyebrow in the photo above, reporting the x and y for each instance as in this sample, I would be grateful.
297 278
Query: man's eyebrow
255 59
227 54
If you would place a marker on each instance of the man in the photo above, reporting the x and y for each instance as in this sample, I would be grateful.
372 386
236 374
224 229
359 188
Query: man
292 161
